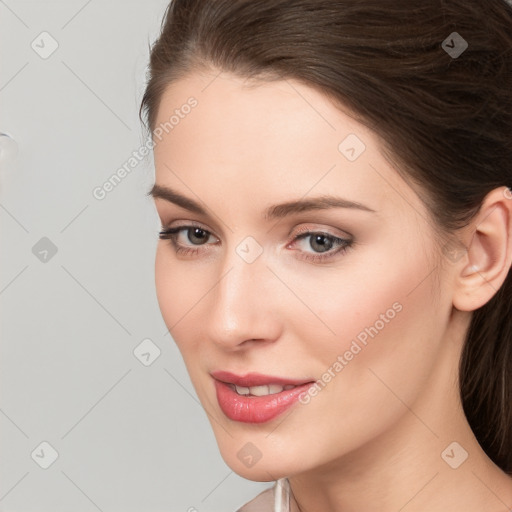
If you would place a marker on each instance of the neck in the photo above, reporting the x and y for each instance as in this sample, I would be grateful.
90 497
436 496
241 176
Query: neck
414 465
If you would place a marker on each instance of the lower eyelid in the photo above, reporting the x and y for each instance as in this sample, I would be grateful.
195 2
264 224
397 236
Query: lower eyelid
173 233
336 239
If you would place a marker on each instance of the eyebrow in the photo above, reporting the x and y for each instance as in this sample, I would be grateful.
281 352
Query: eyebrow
272 212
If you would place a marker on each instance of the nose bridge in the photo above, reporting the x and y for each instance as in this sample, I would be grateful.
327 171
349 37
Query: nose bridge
241 302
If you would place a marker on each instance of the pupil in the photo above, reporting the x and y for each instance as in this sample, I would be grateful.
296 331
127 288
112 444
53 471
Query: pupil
324 244
198 233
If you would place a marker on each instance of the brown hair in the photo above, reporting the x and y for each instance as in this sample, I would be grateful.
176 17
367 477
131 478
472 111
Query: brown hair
444 120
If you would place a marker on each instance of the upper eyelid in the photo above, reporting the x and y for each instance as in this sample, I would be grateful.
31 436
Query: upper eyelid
307 229
189 224
301 234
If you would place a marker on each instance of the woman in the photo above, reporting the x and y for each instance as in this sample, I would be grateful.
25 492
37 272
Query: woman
332 178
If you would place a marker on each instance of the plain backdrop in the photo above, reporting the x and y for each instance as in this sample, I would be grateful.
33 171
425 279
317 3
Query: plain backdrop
97 412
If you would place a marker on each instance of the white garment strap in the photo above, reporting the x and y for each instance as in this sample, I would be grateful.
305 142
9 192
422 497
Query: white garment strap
282 496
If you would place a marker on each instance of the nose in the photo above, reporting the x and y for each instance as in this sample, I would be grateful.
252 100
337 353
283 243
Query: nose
244 305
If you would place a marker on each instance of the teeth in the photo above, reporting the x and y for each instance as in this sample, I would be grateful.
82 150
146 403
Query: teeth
274 388
260 390
241 390
271 389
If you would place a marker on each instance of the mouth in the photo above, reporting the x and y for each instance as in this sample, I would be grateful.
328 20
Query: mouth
256 398
270 389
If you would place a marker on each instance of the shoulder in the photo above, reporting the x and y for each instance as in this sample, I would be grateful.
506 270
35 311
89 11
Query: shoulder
263 502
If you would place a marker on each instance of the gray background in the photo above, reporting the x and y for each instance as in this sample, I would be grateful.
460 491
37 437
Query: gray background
129 437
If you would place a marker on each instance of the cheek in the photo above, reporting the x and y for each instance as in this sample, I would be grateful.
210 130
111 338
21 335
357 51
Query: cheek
177 292
376 307
387 340
166 289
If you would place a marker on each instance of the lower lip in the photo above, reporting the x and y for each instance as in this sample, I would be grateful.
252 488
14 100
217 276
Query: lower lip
256 409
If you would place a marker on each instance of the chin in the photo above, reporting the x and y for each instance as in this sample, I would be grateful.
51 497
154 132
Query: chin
264 464
261 471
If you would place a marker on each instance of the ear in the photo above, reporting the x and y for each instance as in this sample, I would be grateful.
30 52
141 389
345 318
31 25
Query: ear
488 240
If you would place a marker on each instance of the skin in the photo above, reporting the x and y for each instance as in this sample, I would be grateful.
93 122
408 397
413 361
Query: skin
372 438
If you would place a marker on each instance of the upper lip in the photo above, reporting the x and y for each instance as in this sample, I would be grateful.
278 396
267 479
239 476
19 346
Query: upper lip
255 379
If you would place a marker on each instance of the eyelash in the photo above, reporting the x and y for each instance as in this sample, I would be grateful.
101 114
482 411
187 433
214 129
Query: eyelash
171 234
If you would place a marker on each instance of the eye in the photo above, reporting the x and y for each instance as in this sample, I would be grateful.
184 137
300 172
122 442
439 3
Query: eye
196 235
321 243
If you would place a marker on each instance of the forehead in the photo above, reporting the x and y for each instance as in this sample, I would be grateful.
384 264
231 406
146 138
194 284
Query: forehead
239 108
272 138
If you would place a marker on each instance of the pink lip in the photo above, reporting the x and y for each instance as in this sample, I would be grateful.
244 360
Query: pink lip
255 409
255 379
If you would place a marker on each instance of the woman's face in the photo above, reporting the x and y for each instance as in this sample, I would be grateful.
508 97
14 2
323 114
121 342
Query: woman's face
354 305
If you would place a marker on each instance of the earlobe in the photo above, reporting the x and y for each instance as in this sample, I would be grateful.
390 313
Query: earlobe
487 263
